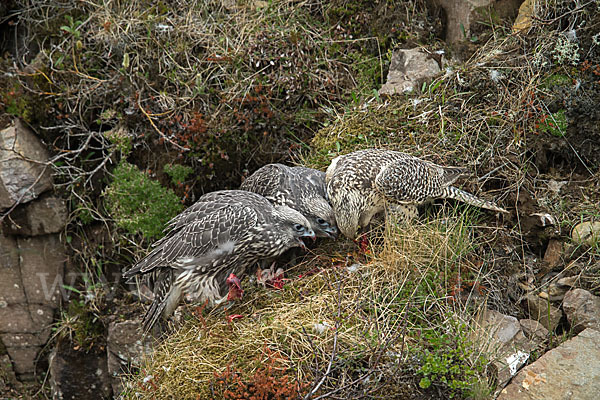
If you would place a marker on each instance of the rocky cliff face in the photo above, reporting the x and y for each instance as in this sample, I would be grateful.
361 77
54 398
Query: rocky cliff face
32 255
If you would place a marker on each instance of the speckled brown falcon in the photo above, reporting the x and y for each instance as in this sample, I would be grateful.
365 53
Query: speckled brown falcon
367 182
214 243
300 188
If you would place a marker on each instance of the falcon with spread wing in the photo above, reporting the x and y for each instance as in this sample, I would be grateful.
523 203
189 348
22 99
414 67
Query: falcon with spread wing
367 182
300 188
214 243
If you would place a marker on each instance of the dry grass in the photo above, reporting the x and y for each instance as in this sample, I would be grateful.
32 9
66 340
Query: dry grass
368 332
349 326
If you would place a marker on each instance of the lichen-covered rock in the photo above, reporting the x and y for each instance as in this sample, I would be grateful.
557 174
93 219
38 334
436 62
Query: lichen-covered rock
570 371
48 214
408 70
78 374
31 271
125 346
582 309
23 360
24 169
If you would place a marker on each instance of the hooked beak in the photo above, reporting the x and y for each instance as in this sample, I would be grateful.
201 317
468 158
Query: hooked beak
308 234
332 232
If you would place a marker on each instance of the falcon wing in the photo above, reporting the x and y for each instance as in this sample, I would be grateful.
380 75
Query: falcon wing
410 180
270 181
212 229
312 180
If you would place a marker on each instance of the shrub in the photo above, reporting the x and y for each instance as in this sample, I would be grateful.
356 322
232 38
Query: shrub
139 204
449 360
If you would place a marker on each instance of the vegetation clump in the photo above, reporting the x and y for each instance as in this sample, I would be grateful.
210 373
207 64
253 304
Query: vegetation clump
139 204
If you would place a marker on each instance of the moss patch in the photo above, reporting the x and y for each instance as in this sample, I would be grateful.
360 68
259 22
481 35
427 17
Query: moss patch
139 204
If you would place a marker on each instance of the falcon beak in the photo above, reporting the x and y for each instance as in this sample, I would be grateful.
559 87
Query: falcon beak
308 234
332 232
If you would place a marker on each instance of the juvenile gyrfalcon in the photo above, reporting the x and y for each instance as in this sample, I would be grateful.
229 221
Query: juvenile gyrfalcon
300 188
212 243
367 182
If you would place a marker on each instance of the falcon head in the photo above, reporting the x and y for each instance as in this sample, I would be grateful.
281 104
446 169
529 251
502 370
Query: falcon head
348 223
321 217
293 227
349 208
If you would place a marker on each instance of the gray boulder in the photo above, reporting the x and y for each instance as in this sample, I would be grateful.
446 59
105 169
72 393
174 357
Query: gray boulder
582 309
24 169
570 371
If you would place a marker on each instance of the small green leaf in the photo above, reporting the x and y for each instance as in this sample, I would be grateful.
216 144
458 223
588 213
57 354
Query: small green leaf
72 289
126 60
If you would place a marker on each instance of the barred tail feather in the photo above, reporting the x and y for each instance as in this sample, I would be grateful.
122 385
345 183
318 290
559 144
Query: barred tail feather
455 193
151 261
166 298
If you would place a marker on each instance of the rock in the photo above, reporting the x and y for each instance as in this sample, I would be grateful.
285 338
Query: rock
556 292
24 172
23 360
568 281
78 374
464 18
587 233
125 348
48 214
534 331
542 311
408 70
524 18
504 342
42 267
31 271
553 253
582 309
8 379
570 371
15 318
11 287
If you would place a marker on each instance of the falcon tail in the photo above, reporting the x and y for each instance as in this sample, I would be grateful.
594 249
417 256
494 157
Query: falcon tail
145 265
166 298
455 193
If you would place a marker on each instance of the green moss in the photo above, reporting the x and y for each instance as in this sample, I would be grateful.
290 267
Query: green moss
178 173
555 124
80 325
139 204
556 80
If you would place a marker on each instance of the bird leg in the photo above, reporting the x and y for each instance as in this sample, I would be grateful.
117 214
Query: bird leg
198 313
235 287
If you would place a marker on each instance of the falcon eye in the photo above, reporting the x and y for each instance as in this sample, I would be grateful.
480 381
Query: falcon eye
321 221
299 227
